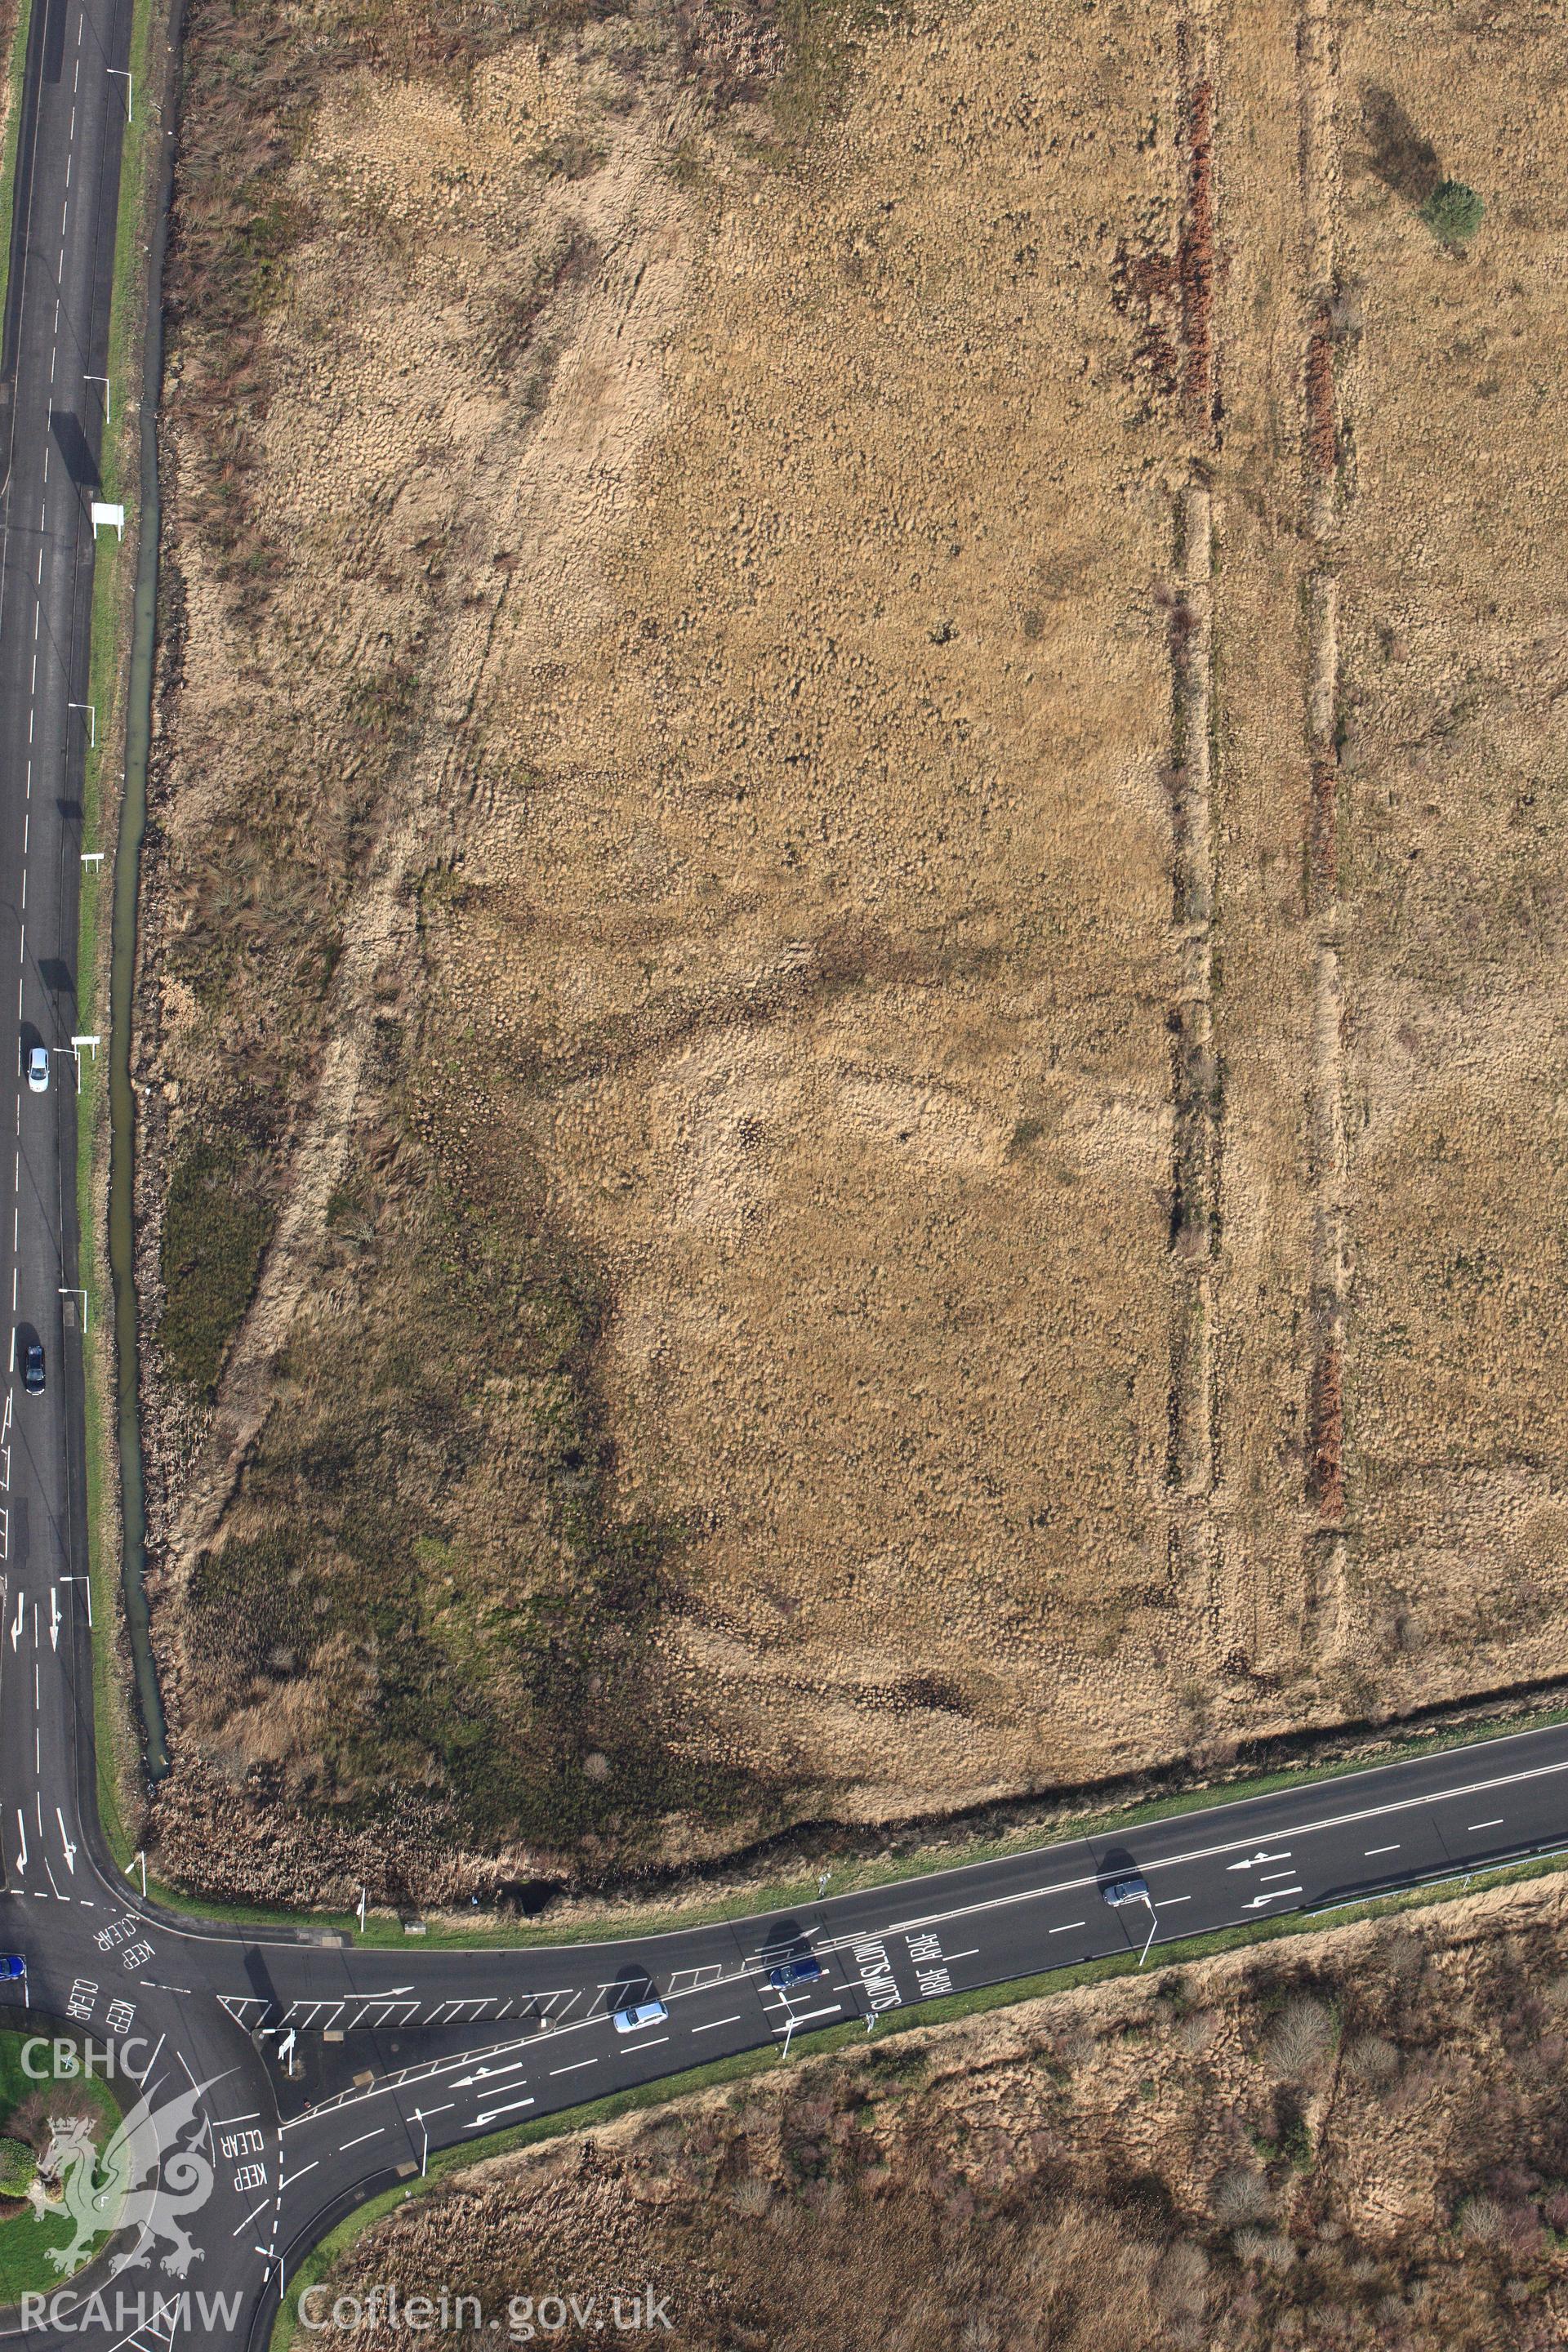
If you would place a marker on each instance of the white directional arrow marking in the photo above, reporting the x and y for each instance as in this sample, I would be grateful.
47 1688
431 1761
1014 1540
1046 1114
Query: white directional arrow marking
22 1833
54 1619
1251 1861
495 2112
483 2074
70 1850
1272 1896
16 1628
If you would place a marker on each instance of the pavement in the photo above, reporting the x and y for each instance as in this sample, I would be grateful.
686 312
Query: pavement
277 2079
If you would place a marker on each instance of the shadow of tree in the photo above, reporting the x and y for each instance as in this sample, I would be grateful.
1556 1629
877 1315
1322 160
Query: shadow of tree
1396 151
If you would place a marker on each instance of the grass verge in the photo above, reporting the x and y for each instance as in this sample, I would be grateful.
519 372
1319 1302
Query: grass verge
288 2329
114 567
787 1894
14 75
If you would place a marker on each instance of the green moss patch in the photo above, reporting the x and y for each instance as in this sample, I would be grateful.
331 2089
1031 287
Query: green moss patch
215 1231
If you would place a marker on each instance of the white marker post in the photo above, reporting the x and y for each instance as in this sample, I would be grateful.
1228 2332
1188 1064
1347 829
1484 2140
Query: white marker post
75 1292
91 710
121 74
76 1045
1154 1922
362 1896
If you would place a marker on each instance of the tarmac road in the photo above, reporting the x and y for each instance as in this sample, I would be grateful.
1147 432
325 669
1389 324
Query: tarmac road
402 2053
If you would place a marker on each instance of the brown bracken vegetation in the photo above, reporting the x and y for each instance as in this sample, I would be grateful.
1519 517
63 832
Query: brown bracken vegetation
1354 2143
851 1020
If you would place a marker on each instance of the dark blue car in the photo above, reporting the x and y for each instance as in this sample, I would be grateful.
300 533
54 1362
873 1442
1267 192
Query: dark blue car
806 1970
11 1964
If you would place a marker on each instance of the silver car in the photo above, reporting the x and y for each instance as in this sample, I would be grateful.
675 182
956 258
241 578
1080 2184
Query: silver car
39 1070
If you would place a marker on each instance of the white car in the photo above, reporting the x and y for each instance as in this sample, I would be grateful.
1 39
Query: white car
640 2014
39 1070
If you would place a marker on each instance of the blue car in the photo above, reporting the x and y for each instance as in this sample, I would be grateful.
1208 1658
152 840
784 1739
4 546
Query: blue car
12 1965
806 1970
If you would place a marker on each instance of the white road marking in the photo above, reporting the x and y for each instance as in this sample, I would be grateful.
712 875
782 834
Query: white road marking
658 2039
714 2022
1171 1902
1273 1897
1486 1825
1067 1927
362 2139
294 2177
575 2068
1380 1849
487 2074
496 2113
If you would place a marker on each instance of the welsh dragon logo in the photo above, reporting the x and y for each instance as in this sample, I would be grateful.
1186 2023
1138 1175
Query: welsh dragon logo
145 2181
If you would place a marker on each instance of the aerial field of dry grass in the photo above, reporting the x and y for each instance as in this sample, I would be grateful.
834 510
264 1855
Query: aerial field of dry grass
1355 2141
848 1034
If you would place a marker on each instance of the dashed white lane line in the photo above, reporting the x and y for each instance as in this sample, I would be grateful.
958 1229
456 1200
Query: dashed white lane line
1067 1926
714 2022
357 2143
294 2177
251 2217
1486 1825
575 2068
1369 1850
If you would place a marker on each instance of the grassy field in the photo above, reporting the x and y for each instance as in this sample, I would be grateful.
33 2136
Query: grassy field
787 1173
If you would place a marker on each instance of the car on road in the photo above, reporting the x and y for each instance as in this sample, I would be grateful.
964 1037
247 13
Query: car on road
640 2014
39 1070
1132 1887
804 1970
12 1965
33 1369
